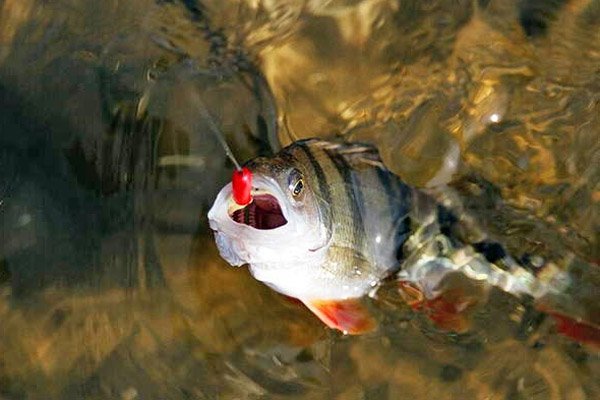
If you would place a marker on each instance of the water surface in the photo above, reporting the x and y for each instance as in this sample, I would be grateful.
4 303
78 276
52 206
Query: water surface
110 284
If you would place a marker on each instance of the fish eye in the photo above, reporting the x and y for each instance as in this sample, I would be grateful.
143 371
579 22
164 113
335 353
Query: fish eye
298 187
296 183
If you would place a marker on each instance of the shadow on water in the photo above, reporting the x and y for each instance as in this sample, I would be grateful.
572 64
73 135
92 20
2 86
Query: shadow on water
110 283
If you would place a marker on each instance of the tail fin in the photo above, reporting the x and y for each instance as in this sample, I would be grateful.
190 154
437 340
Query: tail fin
567 293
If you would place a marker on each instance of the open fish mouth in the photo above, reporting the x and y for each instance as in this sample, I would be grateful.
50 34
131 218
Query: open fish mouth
263 212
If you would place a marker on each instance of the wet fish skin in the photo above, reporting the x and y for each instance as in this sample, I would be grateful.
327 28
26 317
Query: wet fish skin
353 224
363 206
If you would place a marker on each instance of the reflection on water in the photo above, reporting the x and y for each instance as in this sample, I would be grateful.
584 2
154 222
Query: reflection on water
110 284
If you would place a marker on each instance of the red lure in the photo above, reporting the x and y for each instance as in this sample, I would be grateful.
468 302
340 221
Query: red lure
242 185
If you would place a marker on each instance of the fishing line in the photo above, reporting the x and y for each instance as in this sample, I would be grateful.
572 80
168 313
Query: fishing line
217 132
288 130
241 181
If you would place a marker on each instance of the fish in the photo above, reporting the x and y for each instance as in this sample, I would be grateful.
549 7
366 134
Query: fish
329 222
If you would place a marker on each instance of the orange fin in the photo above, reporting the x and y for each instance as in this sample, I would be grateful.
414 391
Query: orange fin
578 330
411 294
348 316
449 310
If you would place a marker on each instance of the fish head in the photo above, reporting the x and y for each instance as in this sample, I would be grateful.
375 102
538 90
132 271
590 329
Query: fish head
283 227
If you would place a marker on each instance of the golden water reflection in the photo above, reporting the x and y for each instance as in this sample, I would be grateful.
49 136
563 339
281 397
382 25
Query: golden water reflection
217 333
110 284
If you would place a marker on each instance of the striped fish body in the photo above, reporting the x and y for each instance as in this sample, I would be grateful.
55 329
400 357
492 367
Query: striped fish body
328 222
363 207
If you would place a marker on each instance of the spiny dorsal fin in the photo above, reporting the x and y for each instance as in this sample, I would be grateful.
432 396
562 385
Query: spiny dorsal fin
357 155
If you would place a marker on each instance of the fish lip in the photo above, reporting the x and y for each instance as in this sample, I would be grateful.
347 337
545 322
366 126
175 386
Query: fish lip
224 203
260 187
262 213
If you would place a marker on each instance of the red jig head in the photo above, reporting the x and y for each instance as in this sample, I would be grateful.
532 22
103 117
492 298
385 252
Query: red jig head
242 185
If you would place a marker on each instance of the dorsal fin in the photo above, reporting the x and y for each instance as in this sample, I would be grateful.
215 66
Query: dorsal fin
357 155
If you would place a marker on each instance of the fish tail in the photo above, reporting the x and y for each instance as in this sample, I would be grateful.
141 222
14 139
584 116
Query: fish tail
532 276
439 258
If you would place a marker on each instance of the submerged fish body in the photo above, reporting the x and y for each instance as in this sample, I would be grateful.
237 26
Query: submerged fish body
328 222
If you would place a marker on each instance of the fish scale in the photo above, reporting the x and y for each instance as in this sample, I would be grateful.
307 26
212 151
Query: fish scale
340 204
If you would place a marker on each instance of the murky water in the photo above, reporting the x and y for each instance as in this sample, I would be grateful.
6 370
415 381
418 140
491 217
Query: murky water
110 283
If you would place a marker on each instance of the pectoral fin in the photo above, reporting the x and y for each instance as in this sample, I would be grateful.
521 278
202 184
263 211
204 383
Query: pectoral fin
450 310
348 316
